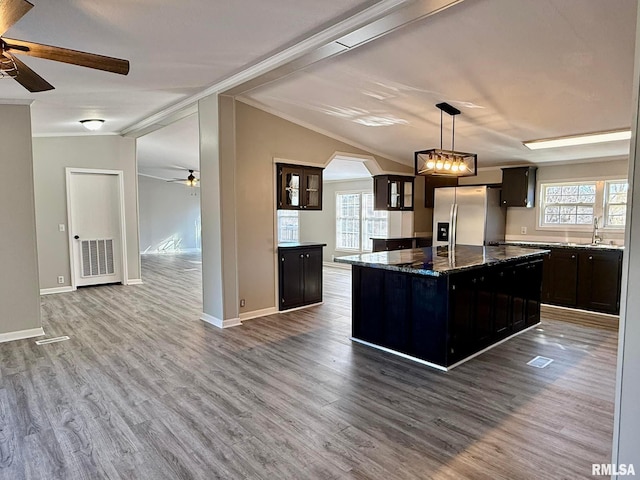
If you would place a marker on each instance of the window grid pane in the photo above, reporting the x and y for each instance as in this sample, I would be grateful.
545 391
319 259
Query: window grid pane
348 221
374 223
616 203
568 204
288 226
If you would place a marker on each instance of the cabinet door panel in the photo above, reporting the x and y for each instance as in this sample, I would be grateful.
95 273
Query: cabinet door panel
290 190
534 279
312 189
599 281
562 277
462 300
313 275
502 302
519 286
291 281
397 313
483 328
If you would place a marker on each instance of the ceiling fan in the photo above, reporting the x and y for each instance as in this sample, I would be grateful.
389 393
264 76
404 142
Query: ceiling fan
10 66
191 180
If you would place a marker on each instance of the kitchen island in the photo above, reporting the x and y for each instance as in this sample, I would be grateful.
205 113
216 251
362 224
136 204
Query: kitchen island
442 307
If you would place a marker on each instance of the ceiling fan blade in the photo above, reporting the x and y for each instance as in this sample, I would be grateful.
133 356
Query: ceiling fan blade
30 79
11 11
66 55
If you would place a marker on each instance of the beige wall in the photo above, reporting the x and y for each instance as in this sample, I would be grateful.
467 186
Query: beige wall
50 158
261 137
19 295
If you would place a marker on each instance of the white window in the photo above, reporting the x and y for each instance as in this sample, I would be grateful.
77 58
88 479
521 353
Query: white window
616 203
356 221
288 226
574 205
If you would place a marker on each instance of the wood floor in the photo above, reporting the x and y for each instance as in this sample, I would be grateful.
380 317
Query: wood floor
145 390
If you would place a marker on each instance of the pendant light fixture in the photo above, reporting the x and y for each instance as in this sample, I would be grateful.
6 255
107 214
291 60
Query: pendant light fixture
448 163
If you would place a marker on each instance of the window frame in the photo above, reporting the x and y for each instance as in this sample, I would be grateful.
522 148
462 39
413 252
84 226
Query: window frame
361 221
287 213
600 206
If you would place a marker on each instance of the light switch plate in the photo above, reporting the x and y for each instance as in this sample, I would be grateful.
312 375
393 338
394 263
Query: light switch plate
61 227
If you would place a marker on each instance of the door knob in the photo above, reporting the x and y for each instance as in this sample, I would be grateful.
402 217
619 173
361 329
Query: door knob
77 237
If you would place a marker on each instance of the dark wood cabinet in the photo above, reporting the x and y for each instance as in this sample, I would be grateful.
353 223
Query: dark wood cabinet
300 276
432 182
559 286
588 279
393 192
599 277
299 187
518 187
388 244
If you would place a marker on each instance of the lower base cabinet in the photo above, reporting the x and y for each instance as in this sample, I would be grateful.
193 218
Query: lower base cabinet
589 279
300 276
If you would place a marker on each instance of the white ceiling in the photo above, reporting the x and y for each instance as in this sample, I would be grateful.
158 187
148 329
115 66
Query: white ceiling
176 49
518 70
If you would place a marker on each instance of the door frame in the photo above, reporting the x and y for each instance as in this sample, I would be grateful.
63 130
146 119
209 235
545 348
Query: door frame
123 234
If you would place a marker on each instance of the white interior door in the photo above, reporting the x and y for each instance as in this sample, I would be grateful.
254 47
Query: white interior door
95 227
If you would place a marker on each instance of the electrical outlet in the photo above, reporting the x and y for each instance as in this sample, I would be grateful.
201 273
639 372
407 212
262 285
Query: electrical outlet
242 302
60 279
523 230
61 227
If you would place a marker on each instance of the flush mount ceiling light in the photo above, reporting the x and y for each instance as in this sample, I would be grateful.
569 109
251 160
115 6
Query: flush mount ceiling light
448 163
583 139
92 124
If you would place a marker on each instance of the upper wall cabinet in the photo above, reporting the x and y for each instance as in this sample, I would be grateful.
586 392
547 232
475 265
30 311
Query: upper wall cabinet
431 182
299 187
393 192
519 187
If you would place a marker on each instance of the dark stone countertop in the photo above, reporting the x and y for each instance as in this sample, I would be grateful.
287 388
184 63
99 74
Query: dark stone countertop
300 244
437 261
588 246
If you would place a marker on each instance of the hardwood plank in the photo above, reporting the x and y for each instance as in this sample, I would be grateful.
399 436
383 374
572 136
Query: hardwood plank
144 389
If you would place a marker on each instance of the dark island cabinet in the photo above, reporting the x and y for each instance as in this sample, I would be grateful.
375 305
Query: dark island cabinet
443 320
300 276
299 187
393 192
588 279
518 187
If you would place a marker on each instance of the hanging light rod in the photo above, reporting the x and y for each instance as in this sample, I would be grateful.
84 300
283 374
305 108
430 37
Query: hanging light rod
576 140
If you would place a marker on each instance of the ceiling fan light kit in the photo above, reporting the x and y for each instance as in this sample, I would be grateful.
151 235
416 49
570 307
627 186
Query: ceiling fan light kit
11 67
447 163
92 124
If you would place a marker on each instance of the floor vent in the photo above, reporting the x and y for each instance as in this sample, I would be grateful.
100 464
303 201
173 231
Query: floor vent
52 340
540 362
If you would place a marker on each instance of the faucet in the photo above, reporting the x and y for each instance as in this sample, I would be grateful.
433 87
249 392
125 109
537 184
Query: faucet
595 238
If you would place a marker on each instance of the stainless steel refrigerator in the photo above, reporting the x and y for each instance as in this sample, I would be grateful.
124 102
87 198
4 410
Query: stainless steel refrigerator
468 216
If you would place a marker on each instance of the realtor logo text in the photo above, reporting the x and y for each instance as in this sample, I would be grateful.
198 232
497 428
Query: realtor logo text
609 469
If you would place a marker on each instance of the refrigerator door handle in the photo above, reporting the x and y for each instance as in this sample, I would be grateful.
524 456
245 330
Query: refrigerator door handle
453 222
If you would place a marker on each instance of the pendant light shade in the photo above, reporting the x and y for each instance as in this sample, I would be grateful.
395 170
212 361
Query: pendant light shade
450 163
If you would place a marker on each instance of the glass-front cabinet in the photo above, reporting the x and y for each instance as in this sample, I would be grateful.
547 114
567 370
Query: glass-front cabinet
393 192
299 187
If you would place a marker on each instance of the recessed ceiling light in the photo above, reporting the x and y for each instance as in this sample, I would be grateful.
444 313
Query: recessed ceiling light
573 140
92 124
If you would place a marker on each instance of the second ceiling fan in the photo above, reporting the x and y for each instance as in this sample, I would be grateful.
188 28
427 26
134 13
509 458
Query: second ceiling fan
10 65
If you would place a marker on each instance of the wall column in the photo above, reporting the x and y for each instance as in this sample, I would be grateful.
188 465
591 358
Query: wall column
19 287
626 436
218 210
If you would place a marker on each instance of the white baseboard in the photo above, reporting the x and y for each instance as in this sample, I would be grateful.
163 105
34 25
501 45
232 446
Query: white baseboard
21 334
134 281
344 266
216 322
50 291
258 313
